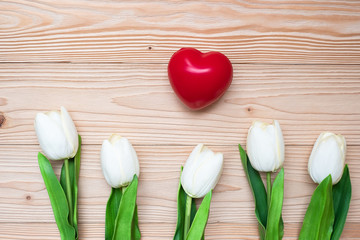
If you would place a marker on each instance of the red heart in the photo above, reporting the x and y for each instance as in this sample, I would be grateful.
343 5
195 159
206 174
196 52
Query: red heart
199 79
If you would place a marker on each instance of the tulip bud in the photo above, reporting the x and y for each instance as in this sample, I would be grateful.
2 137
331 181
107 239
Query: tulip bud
119 161
265 146
327 157
201 172
57 134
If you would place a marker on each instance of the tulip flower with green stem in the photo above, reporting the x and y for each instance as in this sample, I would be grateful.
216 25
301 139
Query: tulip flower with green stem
199 177
326 214
265 149
59 140
120 166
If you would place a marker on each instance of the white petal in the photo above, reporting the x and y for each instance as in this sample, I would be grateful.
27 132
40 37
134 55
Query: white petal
55 117
265 146
261 149
128 162
327 157
119 161
280 145
194 155
114 138
110 165
51 138
201 172
70 131
190 167
207 176
136 161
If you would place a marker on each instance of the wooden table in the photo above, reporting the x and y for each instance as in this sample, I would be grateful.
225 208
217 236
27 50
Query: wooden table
106 61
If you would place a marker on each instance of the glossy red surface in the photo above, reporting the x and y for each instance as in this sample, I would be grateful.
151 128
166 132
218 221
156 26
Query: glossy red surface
199 79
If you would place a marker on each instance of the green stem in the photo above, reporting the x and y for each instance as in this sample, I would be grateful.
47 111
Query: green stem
68 191
187 215
268 182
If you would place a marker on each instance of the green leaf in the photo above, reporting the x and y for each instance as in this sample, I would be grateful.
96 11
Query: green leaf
57 198
135 226
64 185
198 226
193 209
319 217
274 227
74 170
341 198
77 159
281 227
181 205
112 208
258 190
124 218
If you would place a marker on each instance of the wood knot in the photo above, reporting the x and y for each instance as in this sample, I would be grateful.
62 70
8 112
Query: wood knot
28 197
2 120
249 109
149 47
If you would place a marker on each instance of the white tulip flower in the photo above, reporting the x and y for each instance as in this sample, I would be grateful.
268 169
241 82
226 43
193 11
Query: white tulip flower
202 171
327 157
57 134
119 161
265 146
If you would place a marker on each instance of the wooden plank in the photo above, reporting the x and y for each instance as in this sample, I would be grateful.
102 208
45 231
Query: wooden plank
150 31
137 101
295 61
232 208
155 231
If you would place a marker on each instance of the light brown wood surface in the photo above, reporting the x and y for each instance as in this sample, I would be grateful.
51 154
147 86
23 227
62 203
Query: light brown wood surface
106 61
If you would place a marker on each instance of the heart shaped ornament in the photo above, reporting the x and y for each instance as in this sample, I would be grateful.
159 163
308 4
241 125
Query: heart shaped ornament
199 79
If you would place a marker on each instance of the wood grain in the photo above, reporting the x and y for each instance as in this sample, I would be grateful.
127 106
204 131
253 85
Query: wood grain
232 206
150 31
140 104
105 60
